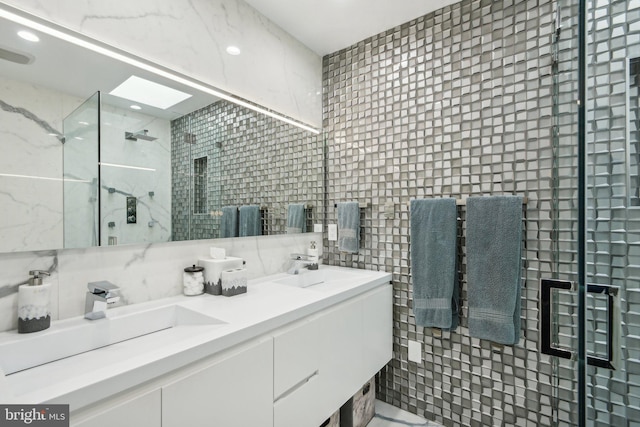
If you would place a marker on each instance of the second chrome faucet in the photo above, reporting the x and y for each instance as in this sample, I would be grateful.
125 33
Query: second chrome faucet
100 295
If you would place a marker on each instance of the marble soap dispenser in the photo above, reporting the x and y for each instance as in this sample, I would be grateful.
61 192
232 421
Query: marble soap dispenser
34 313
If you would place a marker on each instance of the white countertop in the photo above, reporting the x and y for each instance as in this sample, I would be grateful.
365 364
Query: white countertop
89 377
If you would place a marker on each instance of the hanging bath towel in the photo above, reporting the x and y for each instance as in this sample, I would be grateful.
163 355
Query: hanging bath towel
494 263
433 262
229 222
250 221
295 218
349 227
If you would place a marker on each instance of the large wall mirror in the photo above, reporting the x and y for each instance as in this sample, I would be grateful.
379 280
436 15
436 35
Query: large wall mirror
99 152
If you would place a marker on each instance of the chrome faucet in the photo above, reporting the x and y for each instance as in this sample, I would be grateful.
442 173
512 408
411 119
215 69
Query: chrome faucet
301 262
100 295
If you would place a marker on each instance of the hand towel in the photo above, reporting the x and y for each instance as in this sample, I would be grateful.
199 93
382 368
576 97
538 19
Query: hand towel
494 240
349 227
250 221
433 262
296 220
229 222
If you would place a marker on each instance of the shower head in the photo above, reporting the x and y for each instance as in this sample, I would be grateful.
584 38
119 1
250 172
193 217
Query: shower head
143 134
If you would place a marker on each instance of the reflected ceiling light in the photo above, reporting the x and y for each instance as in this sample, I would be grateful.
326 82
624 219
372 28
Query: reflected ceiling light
111 52
116 165
11 175
233 50
79 138
150 93
28 36
83 123
135 107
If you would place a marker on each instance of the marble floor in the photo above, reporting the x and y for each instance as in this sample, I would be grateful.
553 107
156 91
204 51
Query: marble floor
390 416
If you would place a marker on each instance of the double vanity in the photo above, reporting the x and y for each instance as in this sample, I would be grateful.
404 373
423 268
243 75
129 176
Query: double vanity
289 352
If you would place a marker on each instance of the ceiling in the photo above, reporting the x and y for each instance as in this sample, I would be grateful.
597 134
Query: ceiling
326 26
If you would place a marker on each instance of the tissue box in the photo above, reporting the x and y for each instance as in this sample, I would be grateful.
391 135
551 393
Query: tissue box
213 269
234 282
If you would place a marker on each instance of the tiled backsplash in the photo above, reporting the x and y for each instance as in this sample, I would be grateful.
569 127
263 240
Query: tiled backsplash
453 104
143 272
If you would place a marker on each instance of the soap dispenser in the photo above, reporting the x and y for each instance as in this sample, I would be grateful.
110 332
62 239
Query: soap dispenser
34 313
313 252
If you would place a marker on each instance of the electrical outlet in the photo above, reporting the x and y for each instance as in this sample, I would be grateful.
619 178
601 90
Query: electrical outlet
415 351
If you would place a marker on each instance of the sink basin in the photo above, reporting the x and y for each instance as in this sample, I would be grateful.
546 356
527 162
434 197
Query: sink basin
70 337
316 277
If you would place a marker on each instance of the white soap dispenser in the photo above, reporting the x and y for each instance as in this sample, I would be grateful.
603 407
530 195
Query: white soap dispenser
34 313
313 252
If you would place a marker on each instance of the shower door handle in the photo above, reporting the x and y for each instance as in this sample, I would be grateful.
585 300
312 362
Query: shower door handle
613 324
546 322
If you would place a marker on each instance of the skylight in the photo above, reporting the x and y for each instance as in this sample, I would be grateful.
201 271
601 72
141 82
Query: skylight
150 93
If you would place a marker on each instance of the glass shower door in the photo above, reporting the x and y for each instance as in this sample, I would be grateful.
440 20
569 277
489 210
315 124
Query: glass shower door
81 177
612 211
599 200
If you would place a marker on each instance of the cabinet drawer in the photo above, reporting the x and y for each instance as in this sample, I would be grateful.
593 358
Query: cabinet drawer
296 356
298 408
235 391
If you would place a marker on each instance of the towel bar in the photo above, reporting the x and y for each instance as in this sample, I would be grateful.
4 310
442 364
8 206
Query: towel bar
363 205
463 202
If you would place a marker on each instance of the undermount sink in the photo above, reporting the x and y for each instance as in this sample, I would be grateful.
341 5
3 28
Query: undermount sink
315 277
70 337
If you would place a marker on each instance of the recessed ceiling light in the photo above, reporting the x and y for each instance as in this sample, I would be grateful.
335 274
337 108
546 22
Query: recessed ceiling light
150 93
233 50
29 36
136 107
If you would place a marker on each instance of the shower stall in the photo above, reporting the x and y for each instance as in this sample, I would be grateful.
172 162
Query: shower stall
594 298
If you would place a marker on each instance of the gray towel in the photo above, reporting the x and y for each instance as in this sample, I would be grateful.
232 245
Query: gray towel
494 263
296 219
229 222
433 262
250 221
349 227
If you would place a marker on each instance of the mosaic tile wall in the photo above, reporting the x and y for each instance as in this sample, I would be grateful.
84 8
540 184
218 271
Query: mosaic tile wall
252 159
613 216
453 104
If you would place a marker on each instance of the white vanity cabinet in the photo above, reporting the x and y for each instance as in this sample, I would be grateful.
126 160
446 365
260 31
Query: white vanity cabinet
296 375
233 391
124 411
321 361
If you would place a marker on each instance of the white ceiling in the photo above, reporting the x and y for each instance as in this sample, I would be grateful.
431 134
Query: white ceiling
326 26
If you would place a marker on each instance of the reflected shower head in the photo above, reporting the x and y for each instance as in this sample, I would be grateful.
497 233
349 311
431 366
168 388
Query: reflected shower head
143 134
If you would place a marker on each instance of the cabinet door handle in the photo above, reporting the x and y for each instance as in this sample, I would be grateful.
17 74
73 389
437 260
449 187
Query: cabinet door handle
297 386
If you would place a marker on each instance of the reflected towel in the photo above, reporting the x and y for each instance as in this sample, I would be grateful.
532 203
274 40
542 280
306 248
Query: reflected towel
494 263
250 221
296 218
349 227
229 222
433 262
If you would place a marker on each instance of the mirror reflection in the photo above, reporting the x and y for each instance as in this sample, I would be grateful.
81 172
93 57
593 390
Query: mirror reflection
87 160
